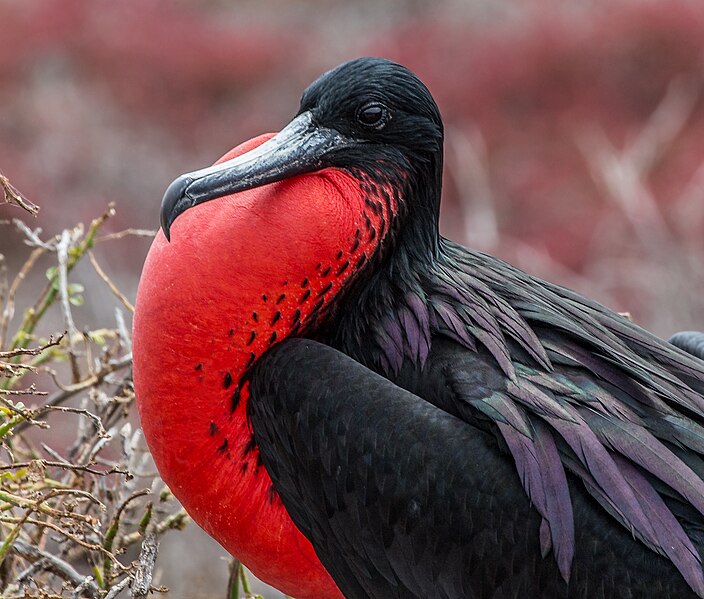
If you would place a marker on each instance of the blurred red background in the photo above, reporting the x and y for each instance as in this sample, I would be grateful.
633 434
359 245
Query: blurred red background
574 133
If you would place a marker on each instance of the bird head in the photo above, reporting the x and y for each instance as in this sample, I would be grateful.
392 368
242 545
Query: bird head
370 117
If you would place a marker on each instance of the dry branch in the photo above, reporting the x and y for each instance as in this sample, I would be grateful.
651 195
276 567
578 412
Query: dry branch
68 515
11 195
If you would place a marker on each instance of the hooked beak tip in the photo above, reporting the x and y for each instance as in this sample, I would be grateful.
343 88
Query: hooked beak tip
298 148
175 202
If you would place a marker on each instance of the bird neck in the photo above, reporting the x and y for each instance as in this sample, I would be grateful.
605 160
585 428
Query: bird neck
383 316
420 236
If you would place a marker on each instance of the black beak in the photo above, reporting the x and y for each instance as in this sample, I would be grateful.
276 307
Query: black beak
298 148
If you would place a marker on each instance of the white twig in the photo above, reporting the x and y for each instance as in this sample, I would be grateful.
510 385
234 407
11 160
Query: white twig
32 236
118 588
467 162
122 330
81 588
62 251
144 572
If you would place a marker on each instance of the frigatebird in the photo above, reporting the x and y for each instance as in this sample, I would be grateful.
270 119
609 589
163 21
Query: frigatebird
355 406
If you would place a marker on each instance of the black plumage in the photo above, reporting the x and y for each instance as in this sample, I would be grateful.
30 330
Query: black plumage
599 416
521 441
690 341
402 499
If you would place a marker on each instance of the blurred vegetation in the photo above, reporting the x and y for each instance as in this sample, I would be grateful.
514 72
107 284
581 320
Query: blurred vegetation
574 130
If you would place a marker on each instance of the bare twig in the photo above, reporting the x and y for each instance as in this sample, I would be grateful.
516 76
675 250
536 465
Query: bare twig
32 236
175 521
109 283
85 585
40 564
113 528
122 331
71 502
118 588
31 390
99 429
55 564
144 572
125 233
49 296
4 283
62 252
60 397
64 465
32 351
9 309
665 124
11 195
63 531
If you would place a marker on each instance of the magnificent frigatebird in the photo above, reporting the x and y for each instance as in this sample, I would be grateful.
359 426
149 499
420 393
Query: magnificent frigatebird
323 379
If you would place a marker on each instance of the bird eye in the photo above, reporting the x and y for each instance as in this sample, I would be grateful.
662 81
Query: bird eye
373 115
